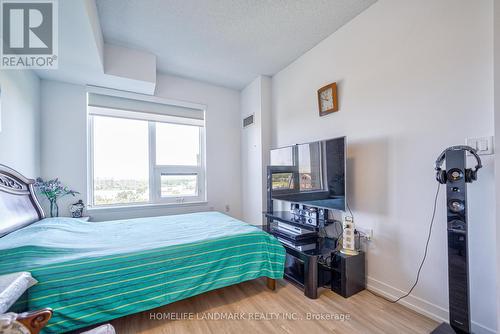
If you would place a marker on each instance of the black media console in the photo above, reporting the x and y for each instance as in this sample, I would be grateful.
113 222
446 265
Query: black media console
319 264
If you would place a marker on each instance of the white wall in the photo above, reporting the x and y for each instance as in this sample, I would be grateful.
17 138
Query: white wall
266 120
20 121
255 141
414 77
496 33
64 143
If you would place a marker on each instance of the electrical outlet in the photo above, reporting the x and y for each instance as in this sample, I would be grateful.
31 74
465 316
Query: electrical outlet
365 232
483 145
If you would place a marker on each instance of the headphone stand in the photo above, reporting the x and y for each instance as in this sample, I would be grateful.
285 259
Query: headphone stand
455 177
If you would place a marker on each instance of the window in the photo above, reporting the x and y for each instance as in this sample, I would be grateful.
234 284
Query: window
141 157
282 181
121 161
179 185
309 163
185 152
305 165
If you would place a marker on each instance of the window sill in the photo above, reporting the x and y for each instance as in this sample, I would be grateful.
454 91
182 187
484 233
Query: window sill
143 206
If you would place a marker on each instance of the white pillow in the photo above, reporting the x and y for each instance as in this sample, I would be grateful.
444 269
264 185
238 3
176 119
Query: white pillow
12 287
104 329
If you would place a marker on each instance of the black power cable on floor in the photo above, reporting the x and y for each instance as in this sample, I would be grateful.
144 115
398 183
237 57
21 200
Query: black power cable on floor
425 252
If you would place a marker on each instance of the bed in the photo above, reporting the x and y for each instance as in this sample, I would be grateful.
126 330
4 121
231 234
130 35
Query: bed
91 272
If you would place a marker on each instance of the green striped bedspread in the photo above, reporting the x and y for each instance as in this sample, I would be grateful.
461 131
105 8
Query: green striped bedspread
90 272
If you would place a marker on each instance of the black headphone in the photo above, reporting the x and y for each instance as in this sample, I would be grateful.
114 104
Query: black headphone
470 174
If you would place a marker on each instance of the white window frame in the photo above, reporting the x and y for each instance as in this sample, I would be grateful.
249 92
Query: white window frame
155 171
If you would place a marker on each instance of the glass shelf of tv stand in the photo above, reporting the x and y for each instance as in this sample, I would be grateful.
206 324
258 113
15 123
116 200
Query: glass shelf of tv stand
324 245
287 217
319 199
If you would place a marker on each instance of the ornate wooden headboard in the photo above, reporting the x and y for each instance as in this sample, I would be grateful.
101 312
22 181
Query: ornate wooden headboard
18 204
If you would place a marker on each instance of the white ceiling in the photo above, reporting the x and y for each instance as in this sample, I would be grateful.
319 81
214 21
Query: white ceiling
85 60
225 42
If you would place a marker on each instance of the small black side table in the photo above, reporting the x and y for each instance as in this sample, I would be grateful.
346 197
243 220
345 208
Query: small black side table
348 274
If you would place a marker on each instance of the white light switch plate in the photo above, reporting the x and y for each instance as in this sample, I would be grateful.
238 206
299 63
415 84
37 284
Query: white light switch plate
483 145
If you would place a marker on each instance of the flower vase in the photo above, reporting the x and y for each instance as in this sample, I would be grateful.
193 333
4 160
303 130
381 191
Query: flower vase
54 208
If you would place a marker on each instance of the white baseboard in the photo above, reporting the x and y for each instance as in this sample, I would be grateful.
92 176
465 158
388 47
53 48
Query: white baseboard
420 305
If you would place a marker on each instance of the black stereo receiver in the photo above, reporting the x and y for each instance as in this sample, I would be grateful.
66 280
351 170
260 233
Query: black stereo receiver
309 215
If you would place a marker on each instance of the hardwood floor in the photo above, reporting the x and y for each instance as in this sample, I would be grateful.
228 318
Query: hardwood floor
264 311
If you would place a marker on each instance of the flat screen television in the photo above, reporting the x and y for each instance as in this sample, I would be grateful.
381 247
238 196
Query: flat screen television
312 173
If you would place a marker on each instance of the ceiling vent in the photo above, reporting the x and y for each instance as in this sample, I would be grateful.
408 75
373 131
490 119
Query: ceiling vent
247 121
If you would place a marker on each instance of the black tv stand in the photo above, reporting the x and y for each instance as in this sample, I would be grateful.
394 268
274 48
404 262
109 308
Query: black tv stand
302 232
309 270
304 269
